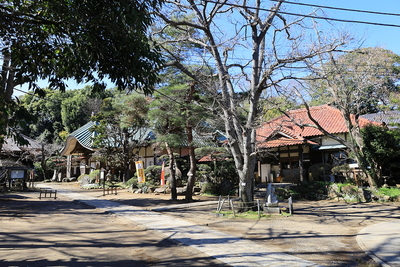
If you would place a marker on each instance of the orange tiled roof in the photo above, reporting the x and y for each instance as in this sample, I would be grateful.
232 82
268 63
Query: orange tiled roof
283 141
296 126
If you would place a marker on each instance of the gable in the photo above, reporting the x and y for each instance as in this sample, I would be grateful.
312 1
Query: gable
298 126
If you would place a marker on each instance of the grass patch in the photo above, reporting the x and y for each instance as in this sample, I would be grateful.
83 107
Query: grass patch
248 215
388 191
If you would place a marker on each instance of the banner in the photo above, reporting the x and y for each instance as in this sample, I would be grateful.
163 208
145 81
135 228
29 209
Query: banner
162 178
140 171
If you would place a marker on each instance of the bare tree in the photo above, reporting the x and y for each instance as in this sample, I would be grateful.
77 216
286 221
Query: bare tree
358 82
246 49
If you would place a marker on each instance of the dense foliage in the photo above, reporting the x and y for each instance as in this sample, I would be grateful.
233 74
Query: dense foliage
59 114
87 41
380 146
121 129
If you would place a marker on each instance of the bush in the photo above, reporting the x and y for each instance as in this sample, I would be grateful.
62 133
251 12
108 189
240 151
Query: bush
226 188
312 190
389 191
89 178
209 188
386 194
318 171
132 183
204 172
345 172
152 175
94 174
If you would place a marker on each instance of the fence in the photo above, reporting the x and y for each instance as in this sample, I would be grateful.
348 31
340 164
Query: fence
112 189
255 204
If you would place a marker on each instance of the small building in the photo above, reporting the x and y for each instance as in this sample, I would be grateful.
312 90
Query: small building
79 150
16 162
291 143
389 118
81 153
14 174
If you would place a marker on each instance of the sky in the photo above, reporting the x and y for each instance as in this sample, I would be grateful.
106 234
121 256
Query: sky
384 36
373 35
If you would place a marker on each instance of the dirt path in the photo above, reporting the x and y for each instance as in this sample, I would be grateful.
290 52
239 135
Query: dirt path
62 232
323 232
67 233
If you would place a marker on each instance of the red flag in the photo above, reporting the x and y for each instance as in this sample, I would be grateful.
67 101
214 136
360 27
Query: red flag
162 174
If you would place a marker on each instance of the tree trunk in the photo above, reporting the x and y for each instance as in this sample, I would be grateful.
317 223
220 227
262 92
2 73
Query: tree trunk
6 90
372 178
192 157
245 161
172 180
192 170
43 163
3 121
126 157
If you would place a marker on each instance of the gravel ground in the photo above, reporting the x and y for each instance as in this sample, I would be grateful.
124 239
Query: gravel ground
61 232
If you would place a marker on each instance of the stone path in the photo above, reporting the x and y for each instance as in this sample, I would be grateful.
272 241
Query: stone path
226 248
382 242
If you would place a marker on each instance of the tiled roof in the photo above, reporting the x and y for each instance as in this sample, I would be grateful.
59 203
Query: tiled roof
83 135
11 146
388 117
283 141
9 163
295 126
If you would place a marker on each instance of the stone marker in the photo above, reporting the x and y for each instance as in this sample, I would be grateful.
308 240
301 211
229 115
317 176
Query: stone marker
271 205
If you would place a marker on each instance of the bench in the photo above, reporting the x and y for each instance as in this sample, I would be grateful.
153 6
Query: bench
47 191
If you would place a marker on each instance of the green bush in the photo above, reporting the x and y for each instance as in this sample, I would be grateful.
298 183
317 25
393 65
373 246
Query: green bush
344 171
390 192
94 174
152 175
132 183
209 188
89 178
204 173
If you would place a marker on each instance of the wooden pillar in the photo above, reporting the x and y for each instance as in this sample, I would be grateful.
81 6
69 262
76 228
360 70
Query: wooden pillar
301 160
69 166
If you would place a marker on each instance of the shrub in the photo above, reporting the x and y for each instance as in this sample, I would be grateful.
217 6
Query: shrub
94 174
387 194
312 190
345 172
318 171
132 183
209 188
389 191
152 176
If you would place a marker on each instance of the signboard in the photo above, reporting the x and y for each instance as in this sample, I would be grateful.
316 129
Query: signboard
162 178
140 171
17 174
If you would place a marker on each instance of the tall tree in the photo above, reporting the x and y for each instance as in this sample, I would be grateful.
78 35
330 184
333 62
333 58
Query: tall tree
361 80
82 40
176 113
120 129
47 113
381 146
59 112
358 82
248 46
